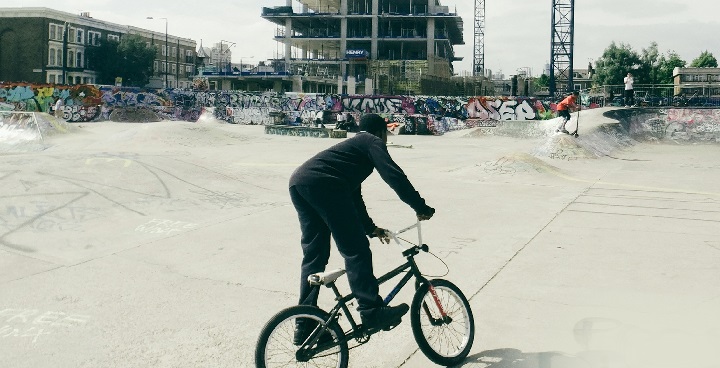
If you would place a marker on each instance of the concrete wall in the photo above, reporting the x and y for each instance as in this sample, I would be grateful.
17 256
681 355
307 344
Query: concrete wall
676 124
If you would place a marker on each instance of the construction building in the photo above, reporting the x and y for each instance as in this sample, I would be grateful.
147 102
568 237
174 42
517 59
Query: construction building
41 45
367 46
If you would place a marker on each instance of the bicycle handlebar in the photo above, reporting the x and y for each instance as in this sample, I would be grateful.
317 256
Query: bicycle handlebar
394 234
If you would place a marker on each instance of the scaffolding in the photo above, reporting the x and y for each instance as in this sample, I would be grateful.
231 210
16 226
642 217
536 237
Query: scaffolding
561 45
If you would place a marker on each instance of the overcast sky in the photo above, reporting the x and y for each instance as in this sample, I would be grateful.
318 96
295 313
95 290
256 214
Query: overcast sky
517 32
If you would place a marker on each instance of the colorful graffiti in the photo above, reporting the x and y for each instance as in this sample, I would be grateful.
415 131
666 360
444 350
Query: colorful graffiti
675 124
95 103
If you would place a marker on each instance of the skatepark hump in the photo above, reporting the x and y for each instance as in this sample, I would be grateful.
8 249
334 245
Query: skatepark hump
171 244
26 131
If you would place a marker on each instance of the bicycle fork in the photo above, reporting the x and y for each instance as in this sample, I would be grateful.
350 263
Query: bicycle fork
444 317
413 271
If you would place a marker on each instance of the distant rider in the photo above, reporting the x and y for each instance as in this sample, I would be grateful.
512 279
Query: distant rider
563 109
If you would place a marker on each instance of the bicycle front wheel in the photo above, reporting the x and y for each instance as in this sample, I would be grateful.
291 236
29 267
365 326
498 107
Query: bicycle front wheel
442 322
275 346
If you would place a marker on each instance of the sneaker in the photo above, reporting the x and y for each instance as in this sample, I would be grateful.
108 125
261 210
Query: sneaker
303 329
384 317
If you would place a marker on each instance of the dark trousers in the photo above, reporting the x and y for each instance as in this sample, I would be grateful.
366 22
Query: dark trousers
326 211
565 114
629 97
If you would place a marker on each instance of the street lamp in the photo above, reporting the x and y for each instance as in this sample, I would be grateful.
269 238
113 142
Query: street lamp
222 54
166 49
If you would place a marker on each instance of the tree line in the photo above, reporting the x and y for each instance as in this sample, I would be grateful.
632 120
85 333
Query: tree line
130 59
648 66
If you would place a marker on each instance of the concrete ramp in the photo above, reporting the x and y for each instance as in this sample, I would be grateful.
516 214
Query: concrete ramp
22 131
599 135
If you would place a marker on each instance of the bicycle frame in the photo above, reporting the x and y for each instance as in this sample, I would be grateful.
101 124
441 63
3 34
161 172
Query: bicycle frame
410 269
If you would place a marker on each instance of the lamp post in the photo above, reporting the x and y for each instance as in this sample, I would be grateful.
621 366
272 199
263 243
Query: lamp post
222 55
166 49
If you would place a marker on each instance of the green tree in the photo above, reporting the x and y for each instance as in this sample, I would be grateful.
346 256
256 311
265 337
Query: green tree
649 62
105 60
666 65
705 60
131 59
542 81
615 63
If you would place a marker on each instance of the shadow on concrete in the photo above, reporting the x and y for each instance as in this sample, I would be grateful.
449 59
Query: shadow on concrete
514 358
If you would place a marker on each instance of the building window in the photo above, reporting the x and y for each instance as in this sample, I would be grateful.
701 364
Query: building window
71 34
164 67
52 57
79 60
71 58
61 33
155 66
174 51
53 33
115 38
59 57
188 69
164 51
51 78
79 36
93 38
174 69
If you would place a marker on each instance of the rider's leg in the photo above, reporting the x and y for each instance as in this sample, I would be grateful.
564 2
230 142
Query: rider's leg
336 207
315 242
565 115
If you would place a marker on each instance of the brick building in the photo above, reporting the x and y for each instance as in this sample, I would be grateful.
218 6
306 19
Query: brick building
42 45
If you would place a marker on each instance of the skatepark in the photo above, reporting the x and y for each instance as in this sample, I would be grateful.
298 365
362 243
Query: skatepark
170 244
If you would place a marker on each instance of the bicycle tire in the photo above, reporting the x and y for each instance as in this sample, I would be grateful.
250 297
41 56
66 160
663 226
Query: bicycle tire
277 337
447 343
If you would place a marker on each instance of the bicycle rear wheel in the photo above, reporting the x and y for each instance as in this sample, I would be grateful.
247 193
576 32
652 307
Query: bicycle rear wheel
275 347
446 338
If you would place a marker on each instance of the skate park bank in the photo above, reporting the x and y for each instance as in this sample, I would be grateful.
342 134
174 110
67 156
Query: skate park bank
170 244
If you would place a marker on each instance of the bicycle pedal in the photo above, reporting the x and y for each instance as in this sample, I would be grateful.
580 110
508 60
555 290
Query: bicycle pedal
392 326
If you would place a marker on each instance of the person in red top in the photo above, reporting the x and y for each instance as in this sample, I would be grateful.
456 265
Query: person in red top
563 109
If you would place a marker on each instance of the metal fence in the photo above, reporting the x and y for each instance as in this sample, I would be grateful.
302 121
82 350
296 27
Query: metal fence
683 95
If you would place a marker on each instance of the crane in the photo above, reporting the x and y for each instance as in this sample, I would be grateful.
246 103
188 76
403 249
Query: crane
479 45
561 45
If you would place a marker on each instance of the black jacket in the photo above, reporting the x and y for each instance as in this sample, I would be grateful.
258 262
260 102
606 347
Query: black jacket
348 163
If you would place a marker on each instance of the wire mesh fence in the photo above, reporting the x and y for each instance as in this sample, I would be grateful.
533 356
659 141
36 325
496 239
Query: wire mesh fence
657 95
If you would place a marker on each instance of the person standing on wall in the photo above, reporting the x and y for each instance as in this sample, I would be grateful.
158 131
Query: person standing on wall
629 92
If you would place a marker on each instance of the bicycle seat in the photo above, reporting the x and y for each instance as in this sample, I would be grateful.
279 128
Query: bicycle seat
327 277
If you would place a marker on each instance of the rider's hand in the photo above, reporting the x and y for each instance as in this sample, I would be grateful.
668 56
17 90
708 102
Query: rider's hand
381 234
426 213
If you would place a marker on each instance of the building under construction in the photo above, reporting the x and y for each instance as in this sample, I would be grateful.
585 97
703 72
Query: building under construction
367 46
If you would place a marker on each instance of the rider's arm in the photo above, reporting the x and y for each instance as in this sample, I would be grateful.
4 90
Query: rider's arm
367 222
393 175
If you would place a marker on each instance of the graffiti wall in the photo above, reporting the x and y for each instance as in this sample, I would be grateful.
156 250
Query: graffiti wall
678 124
82 103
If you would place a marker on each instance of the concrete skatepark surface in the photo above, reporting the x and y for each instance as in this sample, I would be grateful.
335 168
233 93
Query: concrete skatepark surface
170 244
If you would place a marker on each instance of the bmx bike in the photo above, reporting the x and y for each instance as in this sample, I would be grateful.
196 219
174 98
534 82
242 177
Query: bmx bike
440 316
